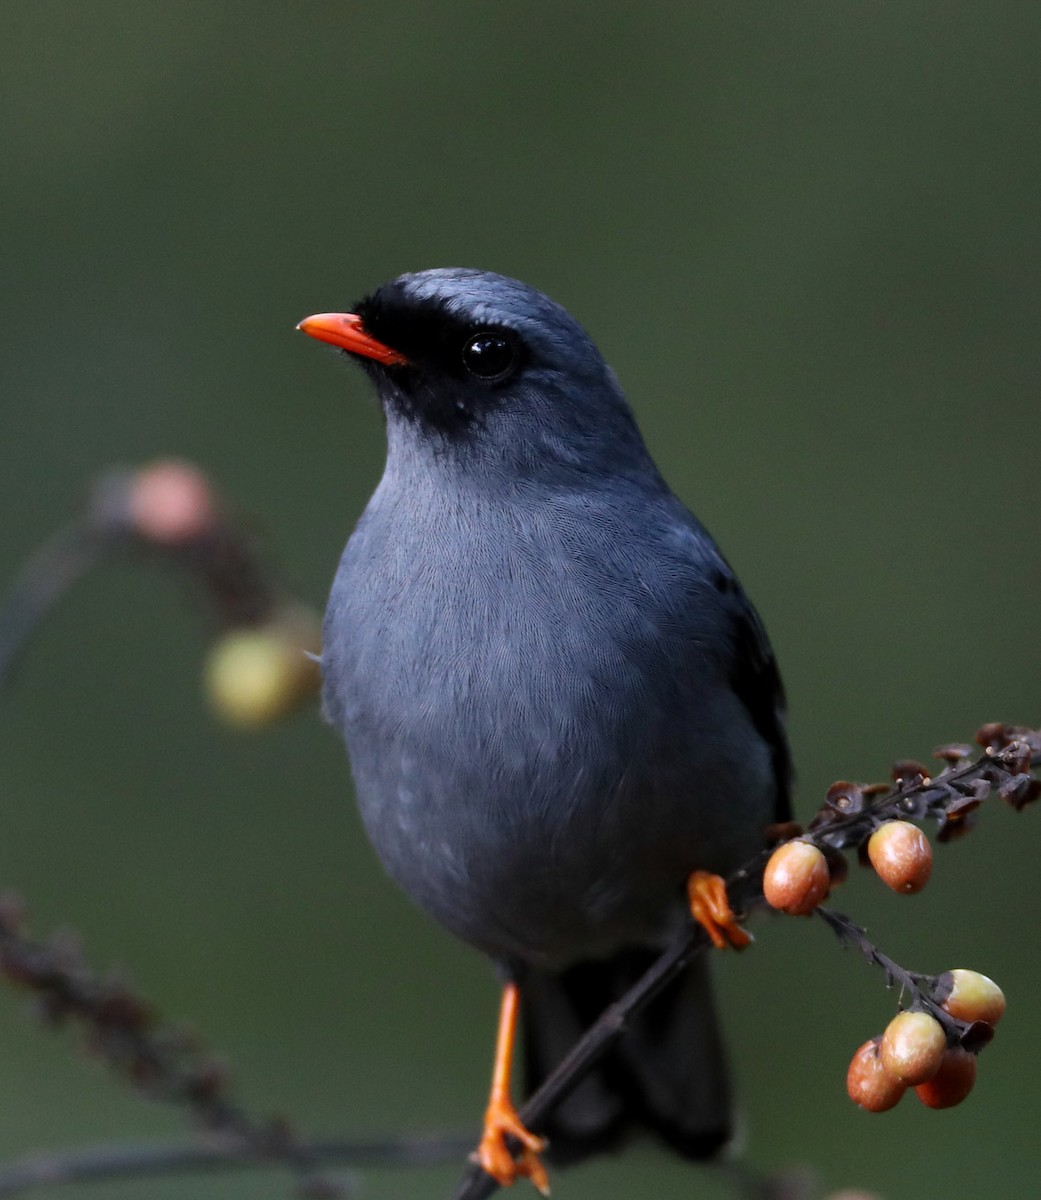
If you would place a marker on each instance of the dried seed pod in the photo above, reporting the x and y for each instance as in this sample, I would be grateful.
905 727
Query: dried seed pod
845 797
952 1082
796 878
971 996
994 736
868 1083
912 1047
908 773
953 752
901 856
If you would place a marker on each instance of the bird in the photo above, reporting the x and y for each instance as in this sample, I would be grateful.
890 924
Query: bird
564 720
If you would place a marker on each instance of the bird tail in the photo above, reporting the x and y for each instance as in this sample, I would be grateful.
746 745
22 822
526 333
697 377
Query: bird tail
667 1072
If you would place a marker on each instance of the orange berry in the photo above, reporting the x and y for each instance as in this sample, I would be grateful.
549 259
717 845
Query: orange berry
952 1082
869 1084
973 997
912 1047
171 502
901 855
796 878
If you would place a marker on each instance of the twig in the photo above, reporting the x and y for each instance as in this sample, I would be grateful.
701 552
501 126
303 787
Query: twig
99 1163
123 1029
973 1035
591 1047
45 578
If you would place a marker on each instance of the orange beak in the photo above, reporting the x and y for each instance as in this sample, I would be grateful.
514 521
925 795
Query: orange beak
345 330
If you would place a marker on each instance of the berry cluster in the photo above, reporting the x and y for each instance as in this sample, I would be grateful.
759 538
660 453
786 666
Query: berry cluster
932 1045
917 1051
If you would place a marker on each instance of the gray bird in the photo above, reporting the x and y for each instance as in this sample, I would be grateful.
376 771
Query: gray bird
557 700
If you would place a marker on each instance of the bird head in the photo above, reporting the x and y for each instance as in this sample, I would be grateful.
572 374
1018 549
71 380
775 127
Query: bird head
482 368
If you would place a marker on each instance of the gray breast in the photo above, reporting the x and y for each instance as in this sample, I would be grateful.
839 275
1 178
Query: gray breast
541 730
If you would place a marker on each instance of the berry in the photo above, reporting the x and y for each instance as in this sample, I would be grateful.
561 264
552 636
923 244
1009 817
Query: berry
171 502
796 879
869 1084
952 1082
901 855
972 996
912 1047
257 675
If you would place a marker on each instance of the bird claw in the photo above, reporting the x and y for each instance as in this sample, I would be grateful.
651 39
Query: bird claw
711 909
497 1159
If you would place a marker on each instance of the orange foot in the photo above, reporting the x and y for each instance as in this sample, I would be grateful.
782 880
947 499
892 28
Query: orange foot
711 909
495 1156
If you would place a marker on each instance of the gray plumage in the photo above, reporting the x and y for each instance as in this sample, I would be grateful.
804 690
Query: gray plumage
557 700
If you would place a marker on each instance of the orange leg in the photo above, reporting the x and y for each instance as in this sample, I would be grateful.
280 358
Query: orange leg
711 909
500 1118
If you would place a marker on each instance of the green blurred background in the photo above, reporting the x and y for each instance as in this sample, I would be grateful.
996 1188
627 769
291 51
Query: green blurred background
806 235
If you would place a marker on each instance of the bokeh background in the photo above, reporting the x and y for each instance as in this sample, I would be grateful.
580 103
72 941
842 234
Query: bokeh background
807 237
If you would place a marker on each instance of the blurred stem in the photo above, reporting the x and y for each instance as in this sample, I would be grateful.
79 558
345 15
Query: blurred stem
98 1163
45 578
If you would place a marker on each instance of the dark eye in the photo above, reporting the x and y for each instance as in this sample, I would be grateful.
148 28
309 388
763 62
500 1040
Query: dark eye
489 355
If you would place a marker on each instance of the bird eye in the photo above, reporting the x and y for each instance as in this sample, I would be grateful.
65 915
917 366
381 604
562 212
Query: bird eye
489 356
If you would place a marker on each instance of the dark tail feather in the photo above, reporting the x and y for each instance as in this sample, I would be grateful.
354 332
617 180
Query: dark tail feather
667 1073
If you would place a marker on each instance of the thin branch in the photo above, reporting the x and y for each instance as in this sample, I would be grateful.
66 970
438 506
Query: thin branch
122 1162
121 1028
44 579
593 1045
973 1035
